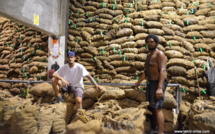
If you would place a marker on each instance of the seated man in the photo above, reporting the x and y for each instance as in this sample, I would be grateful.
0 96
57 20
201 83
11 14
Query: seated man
69 77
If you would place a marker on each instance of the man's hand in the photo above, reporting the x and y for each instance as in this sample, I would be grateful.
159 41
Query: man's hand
64 83
159 93
98 88
137 85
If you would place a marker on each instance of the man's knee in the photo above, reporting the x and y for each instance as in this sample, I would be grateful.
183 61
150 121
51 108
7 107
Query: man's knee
78 100
54 81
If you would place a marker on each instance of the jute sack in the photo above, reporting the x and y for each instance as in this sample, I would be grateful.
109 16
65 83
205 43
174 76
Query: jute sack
7 108
120 76
192 74
201 115
59 122
169 115
121 40
5 85
177 71
24 119
113 93
140 36
85 122
173 54
40 89
170 127
125 69
129 120
93 93
45 119
79 127
209 34
136 95
195 28
169 101
126 103
138 64
202 121
139 29
179 79
156 31
124 32
141 56
70 111
87 103
180 62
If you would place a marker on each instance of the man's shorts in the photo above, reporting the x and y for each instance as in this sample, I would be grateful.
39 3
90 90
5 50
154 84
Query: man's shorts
78 92
152 87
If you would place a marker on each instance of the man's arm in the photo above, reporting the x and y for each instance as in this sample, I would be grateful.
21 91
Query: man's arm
162 60
57 76
93 81
142 77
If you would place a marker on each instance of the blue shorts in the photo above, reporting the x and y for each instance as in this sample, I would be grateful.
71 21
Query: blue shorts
152 87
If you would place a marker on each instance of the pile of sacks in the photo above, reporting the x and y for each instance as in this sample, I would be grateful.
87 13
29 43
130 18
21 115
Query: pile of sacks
107 102
201 115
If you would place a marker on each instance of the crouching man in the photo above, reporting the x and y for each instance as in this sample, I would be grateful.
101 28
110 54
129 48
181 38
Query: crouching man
69 78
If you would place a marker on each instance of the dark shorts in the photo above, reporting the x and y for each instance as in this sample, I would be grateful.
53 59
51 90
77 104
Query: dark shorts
78 92
151 94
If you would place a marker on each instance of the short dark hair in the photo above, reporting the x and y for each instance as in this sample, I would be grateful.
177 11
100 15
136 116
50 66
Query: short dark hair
154 37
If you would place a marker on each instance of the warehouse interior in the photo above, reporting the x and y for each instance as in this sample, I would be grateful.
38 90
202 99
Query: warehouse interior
108 37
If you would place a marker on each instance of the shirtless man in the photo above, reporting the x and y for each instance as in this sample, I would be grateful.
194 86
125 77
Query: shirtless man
155 73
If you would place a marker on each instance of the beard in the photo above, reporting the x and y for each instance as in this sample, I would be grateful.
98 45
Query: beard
151 49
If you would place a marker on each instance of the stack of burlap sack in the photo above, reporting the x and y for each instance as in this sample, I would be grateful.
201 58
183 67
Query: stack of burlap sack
21 116
201 116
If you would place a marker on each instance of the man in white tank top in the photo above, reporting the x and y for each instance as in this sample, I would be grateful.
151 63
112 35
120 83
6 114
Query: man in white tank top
70 78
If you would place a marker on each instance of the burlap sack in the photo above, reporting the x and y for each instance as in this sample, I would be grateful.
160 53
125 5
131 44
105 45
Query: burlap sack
113 93
24 119
173 54
179 79
7 108
124 32
141 56
120 76
38 64
184 63
139 96
93 93
79 127
199 72
138 64
45 119
4 67
5 85
40 89
125 103
87 103
170 127
128 121
59 122
125 69
121 40
169 101
119 63
177 71
140 36
156 31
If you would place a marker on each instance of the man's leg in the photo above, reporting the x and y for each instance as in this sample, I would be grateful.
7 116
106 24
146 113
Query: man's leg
160 120
78 101
55 85
153 118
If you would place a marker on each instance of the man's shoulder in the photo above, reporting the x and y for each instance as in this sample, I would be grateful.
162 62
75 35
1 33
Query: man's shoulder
160 53
79 65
